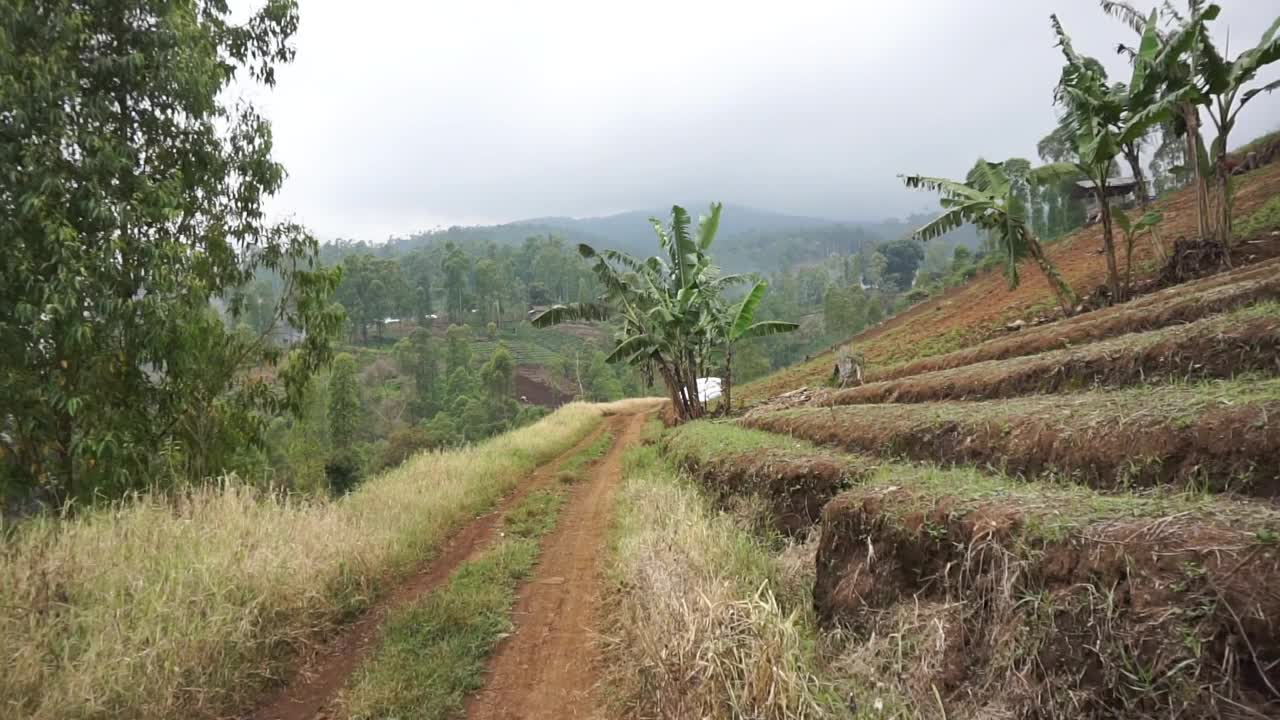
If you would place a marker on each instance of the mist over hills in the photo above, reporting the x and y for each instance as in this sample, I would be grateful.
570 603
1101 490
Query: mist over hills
749 239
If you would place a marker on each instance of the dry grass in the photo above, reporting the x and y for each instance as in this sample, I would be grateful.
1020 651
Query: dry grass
700 627
168 607
1008 600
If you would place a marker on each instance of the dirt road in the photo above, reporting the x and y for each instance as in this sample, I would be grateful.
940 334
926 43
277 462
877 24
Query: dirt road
310 695
546 669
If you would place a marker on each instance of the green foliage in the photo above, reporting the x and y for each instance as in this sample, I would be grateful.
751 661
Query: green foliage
131 200
1264 219
673 315
458 352
344 402
989 199
372 289
902 258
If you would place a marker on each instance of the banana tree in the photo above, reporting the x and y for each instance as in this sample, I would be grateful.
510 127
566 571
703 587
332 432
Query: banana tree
1162 66
1131 230
736 323
989 200
1108 118
667 305
1222 85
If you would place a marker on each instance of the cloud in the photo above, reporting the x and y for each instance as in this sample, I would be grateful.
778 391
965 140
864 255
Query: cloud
399 116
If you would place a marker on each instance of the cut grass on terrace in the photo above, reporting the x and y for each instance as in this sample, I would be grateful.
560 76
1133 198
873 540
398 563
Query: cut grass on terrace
1215 435
190 606
777 482
702 623
997 592
1172 306
433 653
1219 346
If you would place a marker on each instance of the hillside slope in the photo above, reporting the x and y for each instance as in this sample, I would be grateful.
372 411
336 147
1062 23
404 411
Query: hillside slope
979 310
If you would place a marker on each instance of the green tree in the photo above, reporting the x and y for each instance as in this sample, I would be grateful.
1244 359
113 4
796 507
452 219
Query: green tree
131 196
455 267
344 402
672 314
419 358
989 201
458 352
902 258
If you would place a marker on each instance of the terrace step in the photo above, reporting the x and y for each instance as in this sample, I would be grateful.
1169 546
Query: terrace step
1217 435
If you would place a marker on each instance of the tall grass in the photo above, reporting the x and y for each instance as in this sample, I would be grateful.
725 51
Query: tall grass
703 623
186 606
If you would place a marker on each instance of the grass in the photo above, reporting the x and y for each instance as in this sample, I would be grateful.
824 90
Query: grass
1263 220
1123 438
704 621
1217 346
433 653
573 469
189 606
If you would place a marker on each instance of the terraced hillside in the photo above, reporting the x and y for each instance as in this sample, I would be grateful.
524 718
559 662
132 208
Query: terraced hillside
1079 520
979 310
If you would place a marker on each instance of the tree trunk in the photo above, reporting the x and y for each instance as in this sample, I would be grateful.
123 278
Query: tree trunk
728 379
1067 298
1224 209
1135 165
1109 244
1191 114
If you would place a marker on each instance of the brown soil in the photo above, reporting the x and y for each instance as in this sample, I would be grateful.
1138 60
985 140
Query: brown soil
1161 616
310 693
536 388
1177 305
548 667
1098 439
794 488
1215 347
980 309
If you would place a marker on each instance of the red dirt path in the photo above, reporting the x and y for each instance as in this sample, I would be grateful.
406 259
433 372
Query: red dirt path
547 668
310 694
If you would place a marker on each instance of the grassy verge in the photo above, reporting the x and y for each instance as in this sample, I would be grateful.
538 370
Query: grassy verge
432 654
187 606
704 621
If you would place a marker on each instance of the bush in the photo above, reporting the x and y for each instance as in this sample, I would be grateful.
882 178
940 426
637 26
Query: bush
401 445
342 471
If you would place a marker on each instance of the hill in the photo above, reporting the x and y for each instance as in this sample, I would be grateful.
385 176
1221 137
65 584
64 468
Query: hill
981 308
750 239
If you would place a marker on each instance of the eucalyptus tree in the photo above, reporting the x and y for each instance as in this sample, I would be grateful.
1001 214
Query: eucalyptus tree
990 200
131 201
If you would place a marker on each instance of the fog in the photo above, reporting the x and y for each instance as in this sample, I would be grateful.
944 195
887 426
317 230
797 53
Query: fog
402 116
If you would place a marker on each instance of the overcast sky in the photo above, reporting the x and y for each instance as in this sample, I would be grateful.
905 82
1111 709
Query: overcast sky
400 116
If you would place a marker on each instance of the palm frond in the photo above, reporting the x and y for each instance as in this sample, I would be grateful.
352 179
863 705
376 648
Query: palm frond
1125 13
767 327
947 188
745 311
572 312
942 224
707 227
